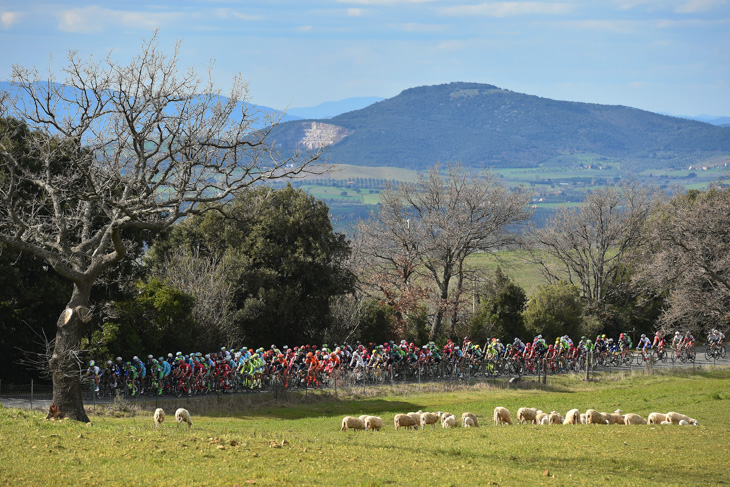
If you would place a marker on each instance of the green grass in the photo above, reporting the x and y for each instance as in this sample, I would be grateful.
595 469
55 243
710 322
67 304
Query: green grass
237 448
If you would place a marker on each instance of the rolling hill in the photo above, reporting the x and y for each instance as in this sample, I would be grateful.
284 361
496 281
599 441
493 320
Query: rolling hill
485 126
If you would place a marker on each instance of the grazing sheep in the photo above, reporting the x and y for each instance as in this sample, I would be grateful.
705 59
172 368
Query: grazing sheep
429 418
448 421
683 423
473 418
555 418
615 417
527 415
362 417
159 416
352 423
666 422
582 418
501 416
545 419
373 423
403 420
539 417
467 422
183 416
443 415
657 418
632 418
594 417
416 417
675 418
572 417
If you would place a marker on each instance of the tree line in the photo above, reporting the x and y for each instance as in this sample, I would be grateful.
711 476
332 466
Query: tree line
141 211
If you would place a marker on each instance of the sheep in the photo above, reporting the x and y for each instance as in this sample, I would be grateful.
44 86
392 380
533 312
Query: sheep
373 423
632 418
657 418
429 418
545 419
403 420
555 418
448 421
572 417
539 417
594 417
416 417
666 422
683 423
362 417
183 416
615 417
501 416
352 423
582 418
675 418
527 415
473 418
467 422
159 416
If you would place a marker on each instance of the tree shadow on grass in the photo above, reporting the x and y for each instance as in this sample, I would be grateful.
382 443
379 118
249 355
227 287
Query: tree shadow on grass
333 407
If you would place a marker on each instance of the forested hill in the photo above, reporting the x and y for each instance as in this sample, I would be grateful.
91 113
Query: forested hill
482 125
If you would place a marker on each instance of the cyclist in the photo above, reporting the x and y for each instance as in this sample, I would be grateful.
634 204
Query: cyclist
659 343
141 371
644 344
688 341
677 342
157 371
131 374
95 372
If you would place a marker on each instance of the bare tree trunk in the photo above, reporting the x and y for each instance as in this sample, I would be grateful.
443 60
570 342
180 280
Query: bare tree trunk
64 363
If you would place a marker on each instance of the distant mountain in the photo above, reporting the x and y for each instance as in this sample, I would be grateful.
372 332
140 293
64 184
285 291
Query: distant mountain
720 121
259 111
482 125
331 109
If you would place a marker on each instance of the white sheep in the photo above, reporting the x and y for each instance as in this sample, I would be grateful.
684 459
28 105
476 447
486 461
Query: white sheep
448 421
555 418
632 418
373 423
666 422
183 416
501 416
682 422
539 417
615 417
429 418
403 420
657 418
572 417
594 417
362 417
675 418
416 417
582 418
545 419
159 416
527 415
473 418
467 422
352 423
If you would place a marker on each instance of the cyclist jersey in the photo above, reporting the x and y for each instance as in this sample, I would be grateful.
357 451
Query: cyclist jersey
166 369
644 343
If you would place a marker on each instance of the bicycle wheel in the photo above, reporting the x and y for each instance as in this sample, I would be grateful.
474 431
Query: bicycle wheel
722 351
709 355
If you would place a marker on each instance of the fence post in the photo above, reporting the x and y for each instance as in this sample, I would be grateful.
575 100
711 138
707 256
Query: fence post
544 370
335 374
31 394
588 367
419 377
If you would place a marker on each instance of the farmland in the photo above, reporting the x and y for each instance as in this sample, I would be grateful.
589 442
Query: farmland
297 441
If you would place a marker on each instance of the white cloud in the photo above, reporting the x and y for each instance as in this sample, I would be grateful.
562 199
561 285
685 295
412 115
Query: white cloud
696 6
355 12
416 27
616 26
227 13
7 19
304 28
96 19
383 2
455 45
509 9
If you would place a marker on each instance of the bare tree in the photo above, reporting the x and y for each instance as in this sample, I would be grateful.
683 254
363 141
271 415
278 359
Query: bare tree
346 311
204 278
118 148
587 246
690 259
435 223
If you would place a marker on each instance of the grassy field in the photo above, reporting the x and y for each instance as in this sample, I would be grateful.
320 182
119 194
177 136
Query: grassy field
299 444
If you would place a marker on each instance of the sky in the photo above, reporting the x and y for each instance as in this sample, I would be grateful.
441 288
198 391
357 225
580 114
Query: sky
669 56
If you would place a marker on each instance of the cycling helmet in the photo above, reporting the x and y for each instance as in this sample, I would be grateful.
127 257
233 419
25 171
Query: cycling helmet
620 336
135 359
91 364
109 362
603 336
150 356
676 333
154 361
658 334
309 355
119 359
643 336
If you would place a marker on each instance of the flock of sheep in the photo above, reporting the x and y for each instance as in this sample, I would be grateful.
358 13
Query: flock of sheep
502 416
182 415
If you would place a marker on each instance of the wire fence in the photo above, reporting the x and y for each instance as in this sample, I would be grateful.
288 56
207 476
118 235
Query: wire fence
353 383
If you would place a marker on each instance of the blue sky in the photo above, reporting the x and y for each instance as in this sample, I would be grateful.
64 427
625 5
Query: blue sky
661 55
